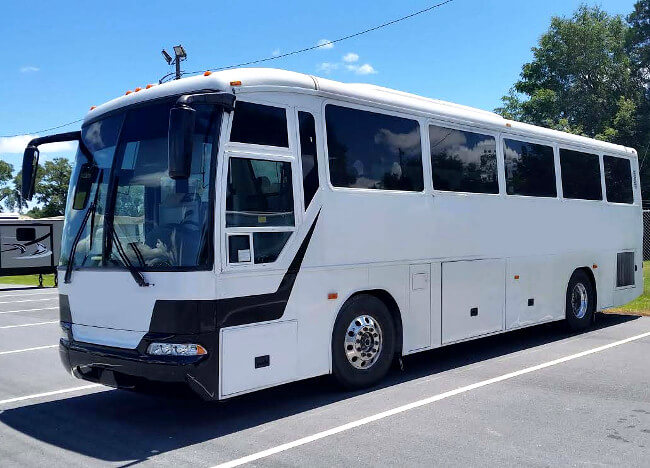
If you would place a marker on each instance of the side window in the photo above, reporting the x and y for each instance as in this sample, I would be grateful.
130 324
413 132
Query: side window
369 150
580 175
259 193
530 169
463 161
259 125
307 127
618 180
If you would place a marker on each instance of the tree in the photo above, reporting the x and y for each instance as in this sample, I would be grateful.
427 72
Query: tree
51 189
589 76
6 171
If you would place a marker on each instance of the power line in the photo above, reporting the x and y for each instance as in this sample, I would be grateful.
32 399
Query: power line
318 46
42 131
277 57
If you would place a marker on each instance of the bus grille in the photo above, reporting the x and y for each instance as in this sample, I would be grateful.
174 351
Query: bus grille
624 269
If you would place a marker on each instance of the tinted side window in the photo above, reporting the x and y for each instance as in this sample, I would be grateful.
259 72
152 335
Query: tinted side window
530 169
463 161
373 151
618 180
259 125
307 128
580 175
259 193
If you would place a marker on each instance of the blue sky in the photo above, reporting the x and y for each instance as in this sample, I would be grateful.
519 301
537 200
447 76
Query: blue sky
60 58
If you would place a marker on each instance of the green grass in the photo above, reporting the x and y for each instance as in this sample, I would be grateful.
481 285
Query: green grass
28 280
640 305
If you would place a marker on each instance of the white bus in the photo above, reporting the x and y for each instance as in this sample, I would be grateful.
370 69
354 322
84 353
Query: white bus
253 227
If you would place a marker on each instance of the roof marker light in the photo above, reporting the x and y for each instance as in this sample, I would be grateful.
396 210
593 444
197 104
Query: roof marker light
128 92
93 107
235 83
149 86
207 73
138 89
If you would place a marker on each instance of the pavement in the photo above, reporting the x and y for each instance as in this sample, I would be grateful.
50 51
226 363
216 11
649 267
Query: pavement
535 397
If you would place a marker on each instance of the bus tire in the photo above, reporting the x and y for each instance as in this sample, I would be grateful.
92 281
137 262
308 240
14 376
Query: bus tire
363 342
580 301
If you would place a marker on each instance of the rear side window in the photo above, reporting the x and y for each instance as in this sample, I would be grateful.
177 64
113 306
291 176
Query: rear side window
530 169
373 151
259 125
307 128
463 161
580 175
618 180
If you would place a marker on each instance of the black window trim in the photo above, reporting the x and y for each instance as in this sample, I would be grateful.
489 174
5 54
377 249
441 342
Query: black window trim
581 149
299 215
535 141
632 177
266 149
377 110
298 154
466 127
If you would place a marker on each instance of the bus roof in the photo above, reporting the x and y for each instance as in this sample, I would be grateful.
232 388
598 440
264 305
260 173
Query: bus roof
271 78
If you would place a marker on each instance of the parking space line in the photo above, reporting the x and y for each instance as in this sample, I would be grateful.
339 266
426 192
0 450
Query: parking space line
28 295
26 310
419 403
29 300
28 349
28 324
47 394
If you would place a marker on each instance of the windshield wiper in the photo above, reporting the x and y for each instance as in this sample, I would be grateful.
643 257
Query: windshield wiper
137 276
68 269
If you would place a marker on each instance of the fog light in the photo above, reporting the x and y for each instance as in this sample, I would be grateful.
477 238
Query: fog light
174 349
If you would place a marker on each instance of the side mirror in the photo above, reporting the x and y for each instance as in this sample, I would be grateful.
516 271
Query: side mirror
181 139
30 166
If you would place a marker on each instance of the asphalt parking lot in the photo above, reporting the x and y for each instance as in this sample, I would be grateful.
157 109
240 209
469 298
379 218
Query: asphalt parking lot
535 397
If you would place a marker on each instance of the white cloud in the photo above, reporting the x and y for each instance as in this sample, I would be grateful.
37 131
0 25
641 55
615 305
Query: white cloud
275 52
327 67
407 143
29 69
365 69
17 144
325 44
350 57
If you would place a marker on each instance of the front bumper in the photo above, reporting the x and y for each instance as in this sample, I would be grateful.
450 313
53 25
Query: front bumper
128 368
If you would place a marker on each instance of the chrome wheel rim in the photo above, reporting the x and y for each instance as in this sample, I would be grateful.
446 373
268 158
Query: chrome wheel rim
579 300
363 342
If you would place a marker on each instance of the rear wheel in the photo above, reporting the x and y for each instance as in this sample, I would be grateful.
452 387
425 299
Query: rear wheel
580 301
363 342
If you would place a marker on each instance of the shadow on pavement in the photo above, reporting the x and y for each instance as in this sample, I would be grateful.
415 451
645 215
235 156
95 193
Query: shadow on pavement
118 426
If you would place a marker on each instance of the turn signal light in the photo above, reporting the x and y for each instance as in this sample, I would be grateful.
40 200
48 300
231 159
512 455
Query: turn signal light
174 349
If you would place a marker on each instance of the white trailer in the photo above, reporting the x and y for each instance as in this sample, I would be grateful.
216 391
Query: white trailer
252 227
29 246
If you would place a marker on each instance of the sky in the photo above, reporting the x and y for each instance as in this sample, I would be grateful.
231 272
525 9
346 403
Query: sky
60 58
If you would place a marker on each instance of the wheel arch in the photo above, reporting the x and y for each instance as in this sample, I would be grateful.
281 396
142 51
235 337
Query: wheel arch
592 278
392 306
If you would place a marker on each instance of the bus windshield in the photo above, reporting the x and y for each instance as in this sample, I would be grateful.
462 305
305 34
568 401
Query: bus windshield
158 222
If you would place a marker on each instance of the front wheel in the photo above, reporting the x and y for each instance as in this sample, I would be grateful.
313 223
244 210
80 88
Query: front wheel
580 301
363 342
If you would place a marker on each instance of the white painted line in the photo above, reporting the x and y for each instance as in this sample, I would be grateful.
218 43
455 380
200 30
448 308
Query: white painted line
47 394
28 349
26 310
29 295
417 404
29 300
28 324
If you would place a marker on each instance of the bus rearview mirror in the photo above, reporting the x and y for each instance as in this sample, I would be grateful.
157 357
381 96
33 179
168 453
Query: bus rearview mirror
181 134
30 166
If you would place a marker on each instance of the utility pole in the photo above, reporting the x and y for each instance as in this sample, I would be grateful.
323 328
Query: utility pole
179 56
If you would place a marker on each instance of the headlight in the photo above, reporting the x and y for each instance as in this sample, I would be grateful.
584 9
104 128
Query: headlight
174 349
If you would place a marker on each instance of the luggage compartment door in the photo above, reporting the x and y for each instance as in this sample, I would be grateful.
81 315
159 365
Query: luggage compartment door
473 296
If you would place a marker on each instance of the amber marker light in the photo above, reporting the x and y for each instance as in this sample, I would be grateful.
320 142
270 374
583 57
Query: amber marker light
594 266
148 86
207 73
93 107
235 83
332 296
516 277
138 89
128 92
